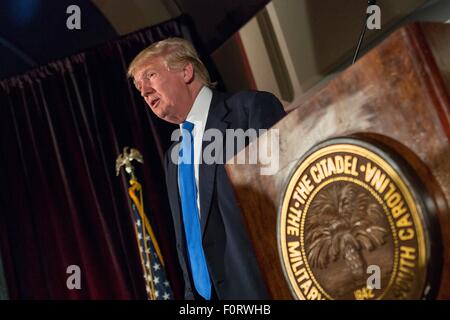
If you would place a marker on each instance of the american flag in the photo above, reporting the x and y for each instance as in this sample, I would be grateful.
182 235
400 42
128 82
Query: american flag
156 283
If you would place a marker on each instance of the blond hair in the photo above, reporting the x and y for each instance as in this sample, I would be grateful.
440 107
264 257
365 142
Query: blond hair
176 52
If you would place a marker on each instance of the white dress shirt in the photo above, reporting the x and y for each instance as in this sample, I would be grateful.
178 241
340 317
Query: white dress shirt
198 116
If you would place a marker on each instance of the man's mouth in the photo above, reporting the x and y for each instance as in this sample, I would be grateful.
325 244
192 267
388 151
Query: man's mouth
154 102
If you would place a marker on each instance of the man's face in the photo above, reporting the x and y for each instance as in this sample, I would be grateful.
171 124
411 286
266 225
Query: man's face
165 91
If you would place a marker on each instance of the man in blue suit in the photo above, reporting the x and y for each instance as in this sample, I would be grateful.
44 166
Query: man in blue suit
214 249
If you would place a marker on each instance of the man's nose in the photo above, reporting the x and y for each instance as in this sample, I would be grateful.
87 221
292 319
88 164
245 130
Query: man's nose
146 89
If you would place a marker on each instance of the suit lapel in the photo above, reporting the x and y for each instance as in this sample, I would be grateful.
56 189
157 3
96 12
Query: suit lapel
217 119
174 197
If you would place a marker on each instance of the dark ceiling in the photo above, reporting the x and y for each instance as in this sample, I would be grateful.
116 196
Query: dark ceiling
34 32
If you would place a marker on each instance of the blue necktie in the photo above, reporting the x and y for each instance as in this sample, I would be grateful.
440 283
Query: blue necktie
188 193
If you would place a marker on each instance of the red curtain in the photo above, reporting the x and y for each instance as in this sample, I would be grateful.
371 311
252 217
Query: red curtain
61 204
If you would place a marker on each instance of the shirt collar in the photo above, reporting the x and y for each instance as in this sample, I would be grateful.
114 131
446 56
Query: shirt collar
199 111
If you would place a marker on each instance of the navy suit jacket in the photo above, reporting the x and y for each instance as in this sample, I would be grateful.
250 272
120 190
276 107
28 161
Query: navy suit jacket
229 254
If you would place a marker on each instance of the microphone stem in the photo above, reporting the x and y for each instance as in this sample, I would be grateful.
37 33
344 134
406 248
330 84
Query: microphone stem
361 37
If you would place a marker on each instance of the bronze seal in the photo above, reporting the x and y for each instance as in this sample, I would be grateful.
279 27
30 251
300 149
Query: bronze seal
350 226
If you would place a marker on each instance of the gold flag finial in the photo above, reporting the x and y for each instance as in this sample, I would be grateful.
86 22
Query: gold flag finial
125 158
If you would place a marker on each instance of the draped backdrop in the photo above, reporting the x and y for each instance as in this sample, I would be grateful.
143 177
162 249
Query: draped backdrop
61 204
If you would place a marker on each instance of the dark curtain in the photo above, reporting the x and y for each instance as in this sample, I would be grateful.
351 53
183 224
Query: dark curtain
3 289
62 126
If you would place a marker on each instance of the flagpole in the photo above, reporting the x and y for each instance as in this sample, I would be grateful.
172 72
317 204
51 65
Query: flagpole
149 251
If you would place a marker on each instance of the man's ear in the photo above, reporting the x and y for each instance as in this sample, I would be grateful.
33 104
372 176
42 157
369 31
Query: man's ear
188 73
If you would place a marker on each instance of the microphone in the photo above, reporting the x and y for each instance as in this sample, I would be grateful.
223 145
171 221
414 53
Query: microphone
363 32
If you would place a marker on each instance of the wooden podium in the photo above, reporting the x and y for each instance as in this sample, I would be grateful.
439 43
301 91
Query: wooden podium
396 98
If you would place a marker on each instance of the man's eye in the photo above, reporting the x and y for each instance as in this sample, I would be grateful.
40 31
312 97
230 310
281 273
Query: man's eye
149 75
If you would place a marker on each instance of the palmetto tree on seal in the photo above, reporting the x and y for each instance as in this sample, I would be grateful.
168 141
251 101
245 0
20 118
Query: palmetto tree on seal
342 221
